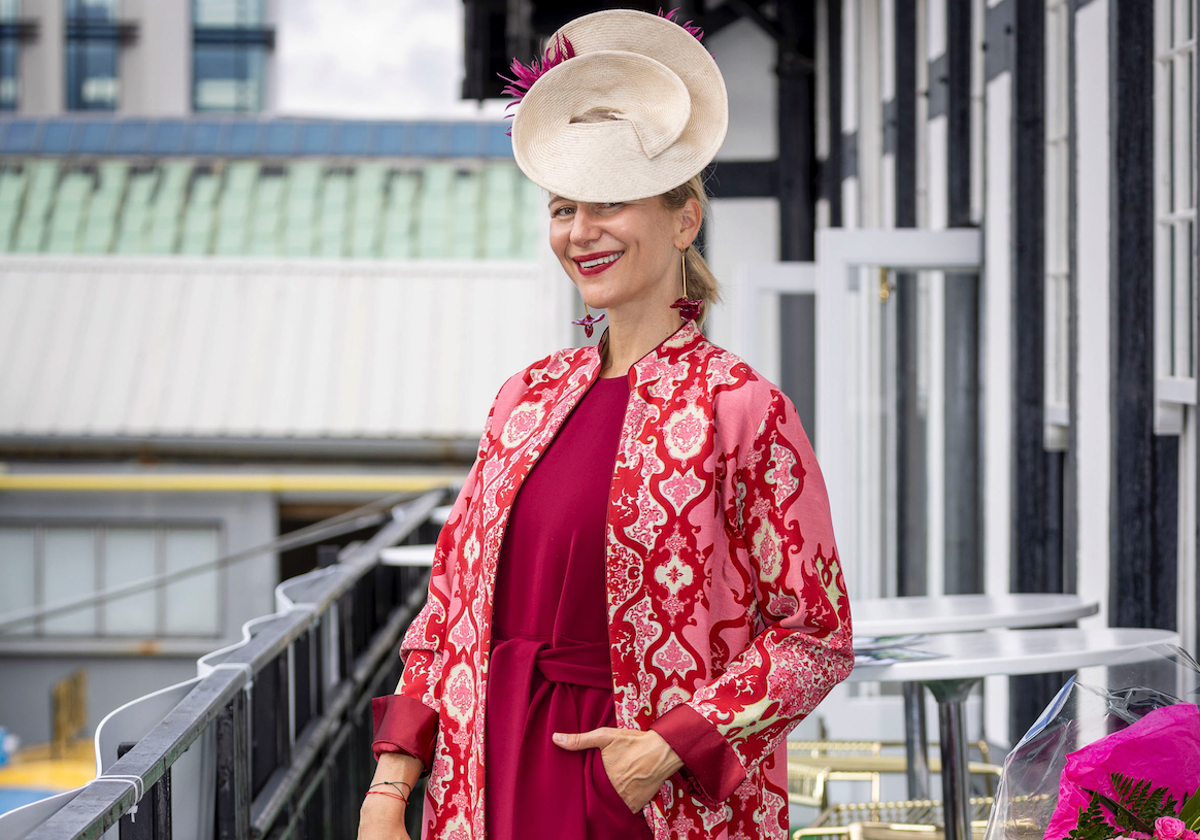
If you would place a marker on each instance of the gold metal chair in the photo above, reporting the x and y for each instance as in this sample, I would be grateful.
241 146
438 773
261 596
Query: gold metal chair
917 818
813 764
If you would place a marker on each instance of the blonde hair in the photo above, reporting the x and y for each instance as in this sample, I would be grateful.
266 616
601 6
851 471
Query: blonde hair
701 282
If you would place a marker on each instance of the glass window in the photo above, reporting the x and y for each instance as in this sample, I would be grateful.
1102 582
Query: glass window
227 12
130 554
1175 210
92 82
8 74
227 77
191 604
17 570
44 564
69 566
10 12
97 11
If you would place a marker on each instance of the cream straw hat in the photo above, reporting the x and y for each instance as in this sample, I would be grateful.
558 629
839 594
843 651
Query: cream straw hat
635 108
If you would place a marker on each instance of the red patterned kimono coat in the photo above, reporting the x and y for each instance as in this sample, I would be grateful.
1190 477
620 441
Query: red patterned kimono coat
724 589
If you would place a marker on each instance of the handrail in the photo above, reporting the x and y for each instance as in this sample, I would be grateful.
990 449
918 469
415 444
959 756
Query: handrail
354 520
220 698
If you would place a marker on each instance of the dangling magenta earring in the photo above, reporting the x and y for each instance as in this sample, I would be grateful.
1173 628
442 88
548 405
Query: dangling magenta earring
689 310
587 321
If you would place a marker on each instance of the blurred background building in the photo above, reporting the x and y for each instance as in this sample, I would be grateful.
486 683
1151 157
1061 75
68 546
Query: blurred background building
223 317
168 57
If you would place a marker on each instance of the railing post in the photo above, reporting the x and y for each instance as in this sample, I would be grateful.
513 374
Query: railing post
154 808
233 772
327 555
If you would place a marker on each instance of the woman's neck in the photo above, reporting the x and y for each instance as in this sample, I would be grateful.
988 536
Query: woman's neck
631 335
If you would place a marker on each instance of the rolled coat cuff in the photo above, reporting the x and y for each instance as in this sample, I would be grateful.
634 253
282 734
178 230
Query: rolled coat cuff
710 766
404 725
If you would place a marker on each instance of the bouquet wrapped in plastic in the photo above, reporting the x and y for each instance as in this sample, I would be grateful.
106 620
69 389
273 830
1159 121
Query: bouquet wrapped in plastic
1115 755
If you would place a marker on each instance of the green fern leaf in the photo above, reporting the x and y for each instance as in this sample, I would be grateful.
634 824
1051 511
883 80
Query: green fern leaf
1092 824
1126 819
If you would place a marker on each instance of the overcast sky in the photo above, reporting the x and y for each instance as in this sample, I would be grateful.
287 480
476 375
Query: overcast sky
392 59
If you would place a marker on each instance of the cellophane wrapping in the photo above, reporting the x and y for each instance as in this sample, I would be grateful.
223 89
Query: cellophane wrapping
1078 731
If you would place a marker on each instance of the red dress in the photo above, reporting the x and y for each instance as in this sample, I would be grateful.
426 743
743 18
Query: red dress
550 640
549 663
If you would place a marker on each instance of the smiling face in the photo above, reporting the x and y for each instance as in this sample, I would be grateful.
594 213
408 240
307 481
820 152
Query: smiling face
623 255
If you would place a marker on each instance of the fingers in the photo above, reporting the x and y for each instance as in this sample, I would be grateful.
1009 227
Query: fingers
593 740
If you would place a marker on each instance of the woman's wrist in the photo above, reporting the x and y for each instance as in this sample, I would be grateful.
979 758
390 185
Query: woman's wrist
667 760
395 776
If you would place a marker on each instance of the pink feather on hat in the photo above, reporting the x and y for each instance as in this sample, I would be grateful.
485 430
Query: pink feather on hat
558 52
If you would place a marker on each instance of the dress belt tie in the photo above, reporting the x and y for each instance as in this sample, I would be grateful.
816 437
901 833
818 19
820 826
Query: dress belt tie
586 665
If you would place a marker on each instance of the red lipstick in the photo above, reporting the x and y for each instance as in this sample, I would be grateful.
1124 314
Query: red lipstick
596 269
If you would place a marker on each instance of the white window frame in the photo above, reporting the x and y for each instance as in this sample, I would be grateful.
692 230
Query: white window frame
1175 149
841 253
1057 368
99 532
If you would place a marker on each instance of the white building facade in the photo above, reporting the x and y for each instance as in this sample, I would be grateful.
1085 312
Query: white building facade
1028 424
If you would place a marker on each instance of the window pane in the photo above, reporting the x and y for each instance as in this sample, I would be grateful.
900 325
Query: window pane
228 12
227 77
192 607
16 570
69 560
8 76
92 75
130 555
95 10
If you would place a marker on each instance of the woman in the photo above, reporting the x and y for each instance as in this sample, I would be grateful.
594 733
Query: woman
617 642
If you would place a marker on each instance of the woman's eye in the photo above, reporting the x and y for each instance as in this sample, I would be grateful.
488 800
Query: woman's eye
559 212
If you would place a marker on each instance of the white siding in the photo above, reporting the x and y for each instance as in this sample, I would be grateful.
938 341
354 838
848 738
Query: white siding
268 349
1092 383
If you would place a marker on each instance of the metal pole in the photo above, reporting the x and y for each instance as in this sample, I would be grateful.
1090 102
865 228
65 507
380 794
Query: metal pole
916 742
956 807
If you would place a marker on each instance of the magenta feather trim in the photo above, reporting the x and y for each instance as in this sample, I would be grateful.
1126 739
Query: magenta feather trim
689 27
524 77
558 52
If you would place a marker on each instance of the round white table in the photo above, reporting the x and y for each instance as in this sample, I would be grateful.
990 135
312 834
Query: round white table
408 555
874 617
966 658
960 613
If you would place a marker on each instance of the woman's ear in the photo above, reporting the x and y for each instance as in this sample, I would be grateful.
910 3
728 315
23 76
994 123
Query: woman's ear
691 216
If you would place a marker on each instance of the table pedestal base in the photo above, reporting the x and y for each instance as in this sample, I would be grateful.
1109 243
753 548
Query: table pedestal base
951 696
916 741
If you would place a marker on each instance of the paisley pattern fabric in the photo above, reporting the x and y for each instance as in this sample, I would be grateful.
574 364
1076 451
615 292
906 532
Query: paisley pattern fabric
724 589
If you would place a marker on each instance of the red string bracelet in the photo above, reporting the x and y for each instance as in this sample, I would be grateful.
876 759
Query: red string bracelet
388 793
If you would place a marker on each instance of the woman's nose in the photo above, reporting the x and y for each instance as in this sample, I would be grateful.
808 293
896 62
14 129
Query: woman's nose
583 227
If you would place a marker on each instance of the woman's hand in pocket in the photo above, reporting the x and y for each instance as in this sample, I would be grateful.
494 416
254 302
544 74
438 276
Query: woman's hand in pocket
637 762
